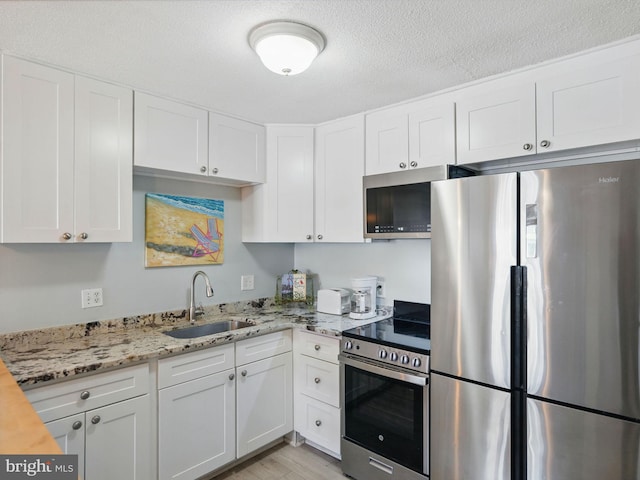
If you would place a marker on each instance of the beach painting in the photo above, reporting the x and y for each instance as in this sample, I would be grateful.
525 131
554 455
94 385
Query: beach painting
183 231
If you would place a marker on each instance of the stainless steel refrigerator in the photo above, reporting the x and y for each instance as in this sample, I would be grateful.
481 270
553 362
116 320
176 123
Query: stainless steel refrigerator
535 320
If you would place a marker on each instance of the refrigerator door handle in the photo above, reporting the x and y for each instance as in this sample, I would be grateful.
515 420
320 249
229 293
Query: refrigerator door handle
531 231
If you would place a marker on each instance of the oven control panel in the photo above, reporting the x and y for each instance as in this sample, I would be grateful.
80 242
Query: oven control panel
418 362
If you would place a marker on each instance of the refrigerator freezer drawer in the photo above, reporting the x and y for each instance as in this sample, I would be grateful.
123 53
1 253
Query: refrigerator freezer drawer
470 431
569 444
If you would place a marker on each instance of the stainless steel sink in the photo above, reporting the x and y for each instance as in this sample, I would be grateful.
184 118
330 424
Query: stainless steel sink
208 329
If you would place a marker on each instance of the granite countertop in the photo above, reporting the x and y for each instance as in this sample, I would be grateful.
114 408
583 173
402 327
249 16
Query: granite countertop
37 356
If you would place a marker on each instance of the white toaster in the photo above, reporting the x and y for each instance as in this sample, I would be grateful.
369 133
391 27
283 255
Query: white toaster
336 301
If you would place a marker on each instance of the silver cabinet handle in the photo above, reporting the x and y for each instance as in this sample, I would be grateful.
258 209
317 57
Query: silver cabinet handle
317 379
95 420
84 236
67 236
309 237
317 347
214 170
77 425
319 237
402 165
414 164
545 143
203 169
84 395
318 423
527 146
243 373
231 376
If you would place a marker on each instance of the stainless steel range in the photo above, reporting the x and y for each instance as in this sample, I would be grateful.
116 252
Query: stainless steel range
385 394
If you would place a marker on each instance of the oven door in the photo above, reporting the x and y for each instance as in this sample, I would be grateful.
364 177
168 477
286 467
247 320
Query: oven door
385 411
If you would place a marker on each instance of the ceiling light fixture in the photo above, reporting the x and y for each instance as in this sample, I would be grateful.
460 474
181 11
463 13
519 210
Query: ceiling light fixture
287 48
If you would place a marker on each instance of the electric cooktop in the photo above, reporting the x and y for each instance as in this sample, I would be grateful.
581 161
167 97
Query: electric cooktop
408 329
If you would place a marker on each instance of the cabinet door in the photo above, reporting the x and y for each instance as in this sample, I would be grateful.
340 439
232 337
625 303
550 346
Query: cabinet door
496 124
196 427
589 106
290 180
103 162
264 402
387 140
118 441
432 134
170 136
236 149
338 181
68 433
37 153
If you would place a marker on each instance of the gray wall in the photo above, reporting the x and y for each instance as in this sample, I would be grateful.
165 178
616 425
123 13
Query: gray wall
40 284
405 266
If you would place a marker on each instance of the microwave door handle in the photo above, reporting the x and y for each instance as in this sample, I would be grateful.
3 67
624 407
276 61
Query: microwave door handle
385 372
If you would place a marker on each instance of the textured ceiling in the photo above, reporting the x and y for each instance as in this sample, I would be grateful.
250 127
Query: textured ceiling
378 51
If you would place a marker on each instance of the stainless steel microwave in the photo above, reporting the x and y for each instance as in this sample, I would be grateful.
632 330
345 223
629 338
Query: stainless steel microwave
398 204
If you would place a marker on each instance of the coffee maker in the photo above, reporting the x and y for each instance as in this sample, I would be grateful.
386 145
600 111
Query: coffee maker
363 298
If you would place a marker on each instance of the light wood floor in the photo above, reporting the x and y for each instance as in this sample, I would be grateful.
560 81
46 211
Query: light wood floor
287 463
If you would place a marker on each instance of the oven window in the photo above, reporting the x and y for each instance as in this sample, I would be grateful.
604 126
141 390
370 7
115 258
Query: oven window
385 416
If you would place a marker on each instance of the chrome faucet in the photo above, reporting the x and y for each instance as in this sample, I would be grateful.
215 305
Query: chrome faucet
193 310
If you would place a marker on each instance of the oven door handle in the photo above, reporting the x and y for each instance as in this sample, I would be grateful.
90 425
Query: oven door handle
414 378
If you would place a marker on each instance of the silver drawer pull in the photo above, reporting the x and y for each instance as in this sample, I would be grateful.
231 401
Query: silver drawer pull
84 395
231 376
243 373
318 423
317 379
381 466
77 425
317 347
95 420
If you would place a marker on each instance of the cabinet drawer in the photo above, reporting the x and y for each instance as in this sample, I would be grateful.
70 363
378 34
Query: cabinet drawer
318 423
190 366
317 346
68 398
318 379
265 346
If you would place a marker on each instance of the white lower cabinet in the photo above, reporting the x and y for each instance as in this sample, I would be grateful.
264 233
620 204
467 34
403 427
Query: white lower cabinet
317 390
264 395
105 419
196 413
197 426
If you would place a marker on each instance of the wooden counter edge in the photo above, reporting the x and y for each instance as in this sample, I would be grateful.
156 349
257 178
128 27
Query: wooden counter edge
21 429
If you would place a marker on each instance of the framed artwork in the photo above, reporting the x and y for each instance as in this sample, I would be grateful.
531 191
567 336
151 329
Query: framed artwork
183 231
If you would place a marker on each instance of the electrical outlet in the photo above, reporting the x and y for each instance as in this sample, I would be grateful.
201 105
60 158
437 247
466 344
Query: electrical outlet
247 282
92 297
380 290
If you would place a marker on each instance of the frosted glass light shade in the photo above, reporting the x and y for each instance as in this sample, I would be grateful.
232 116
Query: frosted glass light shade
286 48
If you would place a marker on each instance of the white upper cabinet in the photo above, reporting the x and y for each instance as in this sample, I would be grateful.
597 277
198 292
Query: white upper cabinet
432 134
66 157
178 140
339 167
590 106
103 161
498 123
580 102
236 149
281 210
170 136
414 135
